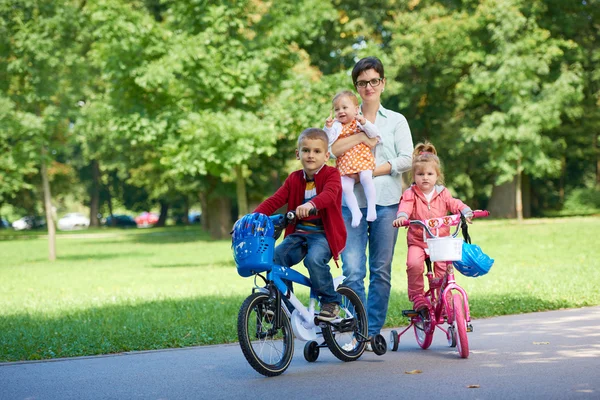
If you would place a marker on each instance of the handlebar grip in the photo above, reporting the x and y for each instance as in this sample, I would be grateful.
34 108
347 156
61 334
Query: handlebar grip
291 215
480 213
406 222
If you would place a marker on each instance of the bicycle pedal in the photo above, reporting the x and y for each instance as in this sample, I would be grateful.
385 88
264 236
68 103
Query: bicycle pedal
409 313
469 328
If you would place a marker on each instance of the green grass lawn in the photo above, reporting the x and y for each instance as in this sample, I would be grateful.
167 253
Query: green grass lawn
121 290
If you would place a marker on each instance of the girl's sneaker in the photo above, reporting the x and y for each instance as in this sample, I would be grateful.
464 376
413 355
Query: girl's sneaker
419 303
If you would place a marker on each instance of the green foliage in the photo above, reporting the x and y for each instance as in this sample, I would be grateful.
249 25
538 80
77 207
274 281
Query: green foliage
171 98
582 201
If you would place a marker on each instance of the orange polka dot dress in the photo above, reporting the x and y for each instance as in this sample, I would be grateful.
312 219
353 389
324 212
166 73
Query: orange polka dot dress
359 158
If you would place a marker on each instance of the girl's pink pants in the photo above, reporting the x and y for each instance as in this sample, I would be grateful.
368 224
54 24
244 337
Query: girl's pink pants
415 266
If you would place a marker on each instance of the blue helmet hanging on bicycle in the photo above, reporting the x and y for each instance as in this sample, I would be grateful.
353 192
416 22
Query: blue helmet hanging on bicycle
254 224
474 261
253 244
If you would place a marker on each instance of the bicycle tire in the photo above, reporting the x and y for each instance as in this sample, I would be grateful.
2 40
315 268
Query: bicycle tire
462 342
350 308
269 351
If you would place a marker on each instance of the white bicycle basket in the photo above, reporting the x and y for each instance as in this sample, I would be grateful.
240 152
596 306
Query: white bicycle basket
445 248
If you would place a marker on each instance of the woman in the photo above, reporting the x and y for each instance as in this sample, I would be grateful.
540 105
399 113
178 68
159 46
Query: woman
393 156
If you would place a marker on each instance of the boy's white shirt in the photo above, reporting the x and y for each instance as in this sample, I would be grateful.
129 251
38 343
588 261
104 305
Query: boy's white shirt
336 129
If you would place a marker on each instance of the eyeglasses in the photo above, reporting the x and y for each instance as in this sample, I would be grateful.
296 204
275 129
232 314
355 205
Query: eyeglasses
374 82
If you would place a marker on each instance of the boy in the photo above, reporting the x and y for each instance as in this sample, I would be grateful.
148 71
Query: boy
312 238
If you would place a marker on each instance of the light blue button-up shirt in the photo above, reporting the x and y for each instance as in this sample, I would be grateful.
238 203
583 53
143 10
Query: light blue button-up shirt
395 148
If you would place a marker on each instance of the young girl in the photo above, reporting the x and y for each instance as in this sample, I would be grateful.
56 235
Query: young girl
426 198
359 159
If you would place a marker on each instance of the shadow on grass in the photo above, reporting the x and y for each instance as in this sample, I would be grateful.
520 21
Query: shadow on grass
118 328
196 265
99 256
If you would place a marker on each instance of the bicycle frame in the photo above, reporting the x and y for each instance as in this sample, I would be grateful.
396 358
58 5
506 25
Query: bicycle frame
440 294
276 286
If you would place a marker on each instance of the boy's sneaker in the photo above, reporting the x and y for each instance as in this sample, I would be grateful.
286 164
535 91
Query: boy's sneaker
329 312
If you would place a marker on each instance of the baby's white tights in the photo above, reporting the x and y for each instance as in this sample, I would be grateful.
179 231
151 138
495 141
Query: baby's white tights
366 180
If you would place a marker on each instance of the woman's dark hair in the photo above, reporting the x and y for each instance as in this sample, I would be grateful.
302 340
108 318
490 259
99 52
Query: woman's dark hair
365 64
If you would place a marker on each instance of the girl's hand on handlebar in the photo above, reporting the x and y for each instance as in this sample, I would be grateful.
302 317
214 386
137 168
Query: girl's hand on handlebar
304 210
398 222
469 217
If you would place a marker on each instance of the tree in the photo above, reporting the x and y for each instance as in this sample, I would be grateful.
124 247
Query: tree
40 66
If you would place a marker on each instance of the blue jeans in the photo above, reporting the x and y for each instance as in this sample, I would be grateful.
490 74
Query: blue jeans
381 237
314 249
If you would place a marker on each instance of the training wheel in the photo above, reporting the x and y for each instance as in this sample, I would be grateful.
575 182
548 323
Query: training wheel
451 336
378 345
394 341
311 351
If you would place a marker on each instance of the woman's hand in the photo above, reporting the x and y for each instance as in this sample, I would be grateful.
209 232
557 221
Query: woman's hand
398 222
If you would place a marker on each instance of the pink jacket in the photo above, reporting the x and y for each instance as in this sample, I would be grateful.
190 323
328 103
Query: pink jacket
414 205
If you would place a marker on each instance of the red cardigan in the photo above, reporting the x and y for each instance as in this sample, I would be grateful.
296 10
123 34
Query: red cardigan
328 201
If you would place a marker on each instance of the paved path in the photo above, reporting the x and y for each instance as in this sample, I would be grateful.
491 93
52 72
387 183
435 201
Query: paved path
550 355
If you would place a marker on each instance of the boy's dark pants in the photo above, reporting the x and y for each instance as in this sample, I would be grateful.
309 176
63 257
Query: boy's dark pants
314 249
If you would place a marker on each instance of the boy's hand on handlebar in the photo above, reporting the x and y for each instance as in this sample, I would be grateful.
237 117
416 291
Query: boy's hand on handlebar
398 222
304 210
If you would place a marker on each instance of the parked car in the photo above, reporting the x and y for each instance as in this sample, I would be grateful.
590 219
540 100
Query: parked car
195 217
28 222
146 219
73 221
4 224
120 221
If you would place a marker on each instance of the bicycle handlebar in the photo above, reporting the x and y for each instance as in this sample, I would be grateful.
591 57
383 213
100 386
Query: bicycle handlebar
448 220
291 215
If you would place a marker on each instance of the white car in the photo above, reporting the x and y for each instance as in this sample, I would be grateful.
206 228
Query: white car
28 222
73 221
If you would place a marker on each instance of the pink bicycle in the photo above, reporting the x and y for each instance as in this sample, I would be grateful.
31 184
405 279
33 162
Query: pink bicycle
447 301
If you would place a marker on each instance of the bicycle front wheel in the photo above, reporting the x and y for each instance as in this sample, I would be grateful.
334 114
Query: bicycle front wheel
345 338
267 347
462 343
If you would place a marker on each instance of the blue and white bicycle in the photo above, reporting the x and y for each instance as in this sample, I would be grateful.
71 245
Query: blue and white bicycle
265 324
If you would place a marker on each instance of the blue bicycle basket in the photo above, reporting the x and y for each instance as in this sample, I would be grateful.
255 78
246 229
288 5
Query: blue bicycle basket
253 244
474 261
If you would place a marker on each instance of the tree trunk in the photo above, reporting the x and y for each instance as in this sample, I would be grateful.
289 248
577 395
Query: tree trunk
219 217
95 195
48 208
519 191
110 206
595 147
242 198
186 210
164 211
502 202
563 178
204 205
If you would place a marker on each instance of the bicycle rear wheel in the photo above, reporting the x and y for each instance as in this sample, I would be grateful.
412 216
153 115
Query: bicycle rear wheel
462 342
345 338
268 348
423 329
